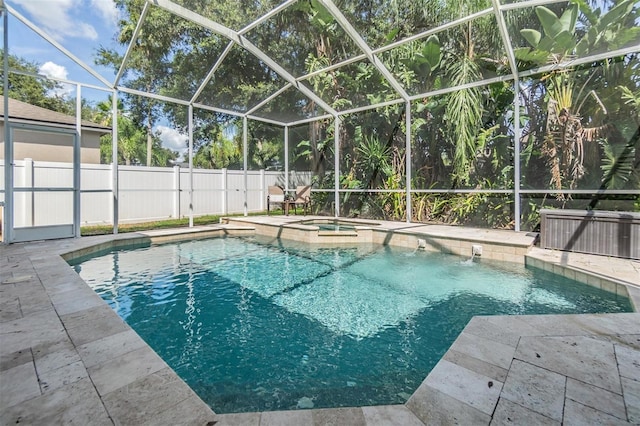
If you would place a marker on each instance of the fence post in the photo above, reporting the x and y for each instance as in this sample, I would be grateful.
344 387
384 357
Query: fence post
224 191
29 197
176 188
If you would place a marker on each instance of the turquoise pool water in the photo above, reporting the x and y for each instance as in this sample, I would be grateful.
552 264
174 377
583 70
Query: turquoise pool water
254 325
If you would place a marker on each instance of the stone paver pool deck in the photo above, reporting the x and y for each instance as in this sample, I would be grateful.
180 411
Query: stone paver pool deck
67 358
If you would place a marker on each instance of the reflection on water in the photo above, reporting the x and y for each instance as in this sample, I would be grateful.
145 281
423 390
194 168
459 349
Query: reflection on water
252 326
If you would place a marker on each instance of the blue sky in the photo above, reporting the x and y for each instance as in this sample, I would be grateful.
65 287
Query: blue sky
82 27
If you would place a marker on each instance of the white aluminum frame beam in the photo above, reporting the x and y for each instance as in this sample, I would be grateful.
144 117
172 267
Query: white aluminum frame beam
134 38
213 70
355 36
243 42
267 16
506 41
7 211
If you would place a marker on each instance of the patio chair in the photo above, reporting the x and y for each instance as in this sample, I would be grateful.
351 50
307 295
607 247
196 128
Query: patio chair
275 195
302 197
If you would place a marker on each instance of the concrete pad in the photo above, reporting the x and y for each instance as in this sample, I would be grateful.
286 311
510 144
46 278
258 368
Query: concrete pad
576 414
628 361
102 350
582 358
76 403
140 400
389 415
338 416
436 408
595 397
286 418
238 419
535 388
18 384
478 391
125 369
510 413
631 391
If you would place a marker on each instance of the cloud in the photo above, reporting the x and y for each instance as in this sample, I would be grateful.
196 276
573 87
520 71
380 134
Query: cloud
107 9
171 138
53 70
67 18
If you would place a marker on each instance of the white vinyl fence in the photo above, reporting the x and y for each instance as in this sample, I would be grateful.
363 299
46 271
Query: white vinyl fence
145 193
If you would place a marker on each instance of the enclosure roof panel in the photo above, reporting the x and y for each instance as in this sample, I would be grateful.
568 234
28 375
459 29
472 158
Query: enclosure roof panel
248 57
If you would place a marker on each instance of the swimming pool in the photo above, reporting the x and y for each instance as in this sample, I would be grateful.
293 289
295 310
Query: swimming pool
255 326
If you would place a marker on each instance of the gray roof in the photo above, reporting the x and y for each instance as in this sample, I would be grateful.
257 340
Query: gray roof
23 111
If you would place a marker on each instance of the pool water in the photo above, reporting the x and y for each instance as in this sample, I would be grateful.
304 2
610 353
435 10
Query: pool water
255 325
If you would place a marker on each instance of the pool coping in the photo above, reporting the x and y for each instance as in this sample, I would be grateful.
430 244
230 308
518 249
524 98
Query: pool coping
67 358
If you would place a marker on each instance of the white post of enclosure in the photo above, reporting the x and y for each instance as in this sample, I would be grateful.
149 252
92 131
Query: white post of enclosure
336 163
114 160
286 159
7 222
516 154
407 160
190 165
245 150
77 148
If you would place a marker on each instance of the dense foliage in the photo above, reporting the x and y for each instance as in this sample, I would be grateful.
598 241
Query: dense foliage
579 124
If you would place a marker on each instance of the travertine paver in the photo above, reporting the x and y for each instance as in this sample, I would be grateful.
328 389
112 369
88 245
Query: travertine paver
18 384
510 413
76 403
286 418
66 358
535 388
125 369
110 347
493 352
576 414
389 415
238 419
595 397
338 416
628 362
478 391
435 407
142 399
631 392
582 358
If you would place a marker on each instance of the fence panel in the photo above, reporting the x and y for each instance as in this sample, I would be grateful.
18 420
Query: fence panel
145 193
